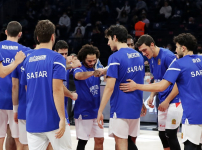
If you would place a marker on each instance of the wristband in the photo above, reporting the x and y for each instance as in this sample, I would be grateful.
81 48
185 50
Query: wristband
15 108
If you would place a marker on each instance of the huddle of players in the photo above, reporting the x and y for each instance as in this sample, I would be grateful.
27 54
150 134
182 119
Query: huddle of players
43 72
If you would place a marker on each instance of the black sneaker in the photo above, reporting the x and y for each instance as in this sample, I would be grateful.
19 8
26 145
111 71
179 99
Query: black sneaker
155 129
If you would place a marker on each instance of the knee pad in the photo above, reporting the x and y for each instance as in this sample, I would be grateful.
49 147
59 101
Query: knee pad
164 139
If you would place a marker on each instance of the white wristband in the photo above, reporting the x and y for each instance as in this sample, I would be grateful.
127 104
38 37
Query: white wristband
15 108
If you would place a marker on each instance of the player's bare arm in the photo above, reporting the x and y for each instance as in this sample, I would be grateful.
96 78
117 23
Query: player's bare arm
155 87
164 105
109 88
15 91
83 75
151 99
6 70
100 71
58 95
72 95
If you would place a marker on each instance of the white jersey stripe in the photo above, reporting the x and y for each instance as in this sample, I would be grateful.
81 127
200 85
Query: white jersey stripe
174 69
60 64
114 64
79 69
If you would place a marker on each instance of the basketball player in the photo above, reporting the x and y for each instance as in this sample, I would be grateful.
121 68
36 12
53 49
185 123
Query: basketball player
125 108
87 104
9 62
44 72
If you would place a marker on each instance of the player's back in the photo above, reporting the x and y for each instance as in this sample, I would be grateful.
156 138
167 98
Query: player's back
41 67
8 50
126 64
190 84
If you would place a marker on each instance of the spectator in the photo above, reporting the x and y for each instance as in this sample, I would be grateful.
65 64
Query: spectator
78 33
104 14
96 36
166 10
79 25
191 26
125 8
64 25
46 12
140 6
198 4
145 20
139 28
123 18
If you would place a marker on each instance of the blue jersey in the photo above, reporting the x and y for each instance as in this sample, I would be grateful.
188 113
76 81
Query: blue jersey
8 50
66 84
40 68
158 67
187 73
17 73
125 64
88 92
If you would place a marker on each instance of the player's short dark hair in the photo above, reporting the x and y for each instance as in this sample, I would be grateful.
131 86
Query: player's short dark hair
120 32
88 50
61 44
13 28
129 36
44 30
187 40
35 38
144 39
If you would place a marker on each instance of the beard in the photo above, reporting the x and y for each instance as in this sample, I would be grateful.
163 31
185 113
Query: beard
85 64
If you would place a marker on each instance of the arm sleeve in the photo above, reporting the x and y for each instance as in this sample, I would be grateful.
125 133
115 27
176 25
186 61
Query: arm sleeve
113 70
76 70
172 72
59 69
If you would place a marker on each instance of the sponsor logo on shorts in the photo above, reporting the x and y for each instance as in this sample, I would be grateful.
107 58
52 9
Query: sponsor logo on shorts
173 121
162 125
181 135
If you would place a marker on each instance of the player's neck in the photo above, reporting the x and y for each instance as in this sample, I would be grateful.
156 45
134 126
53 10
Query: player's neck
156 51
45 45
37 46
121 45
188 53
13 39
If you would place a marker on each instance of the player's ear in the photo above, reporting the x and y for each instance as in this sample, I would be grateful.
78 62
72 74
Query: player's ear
184 48
19 34
6 32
